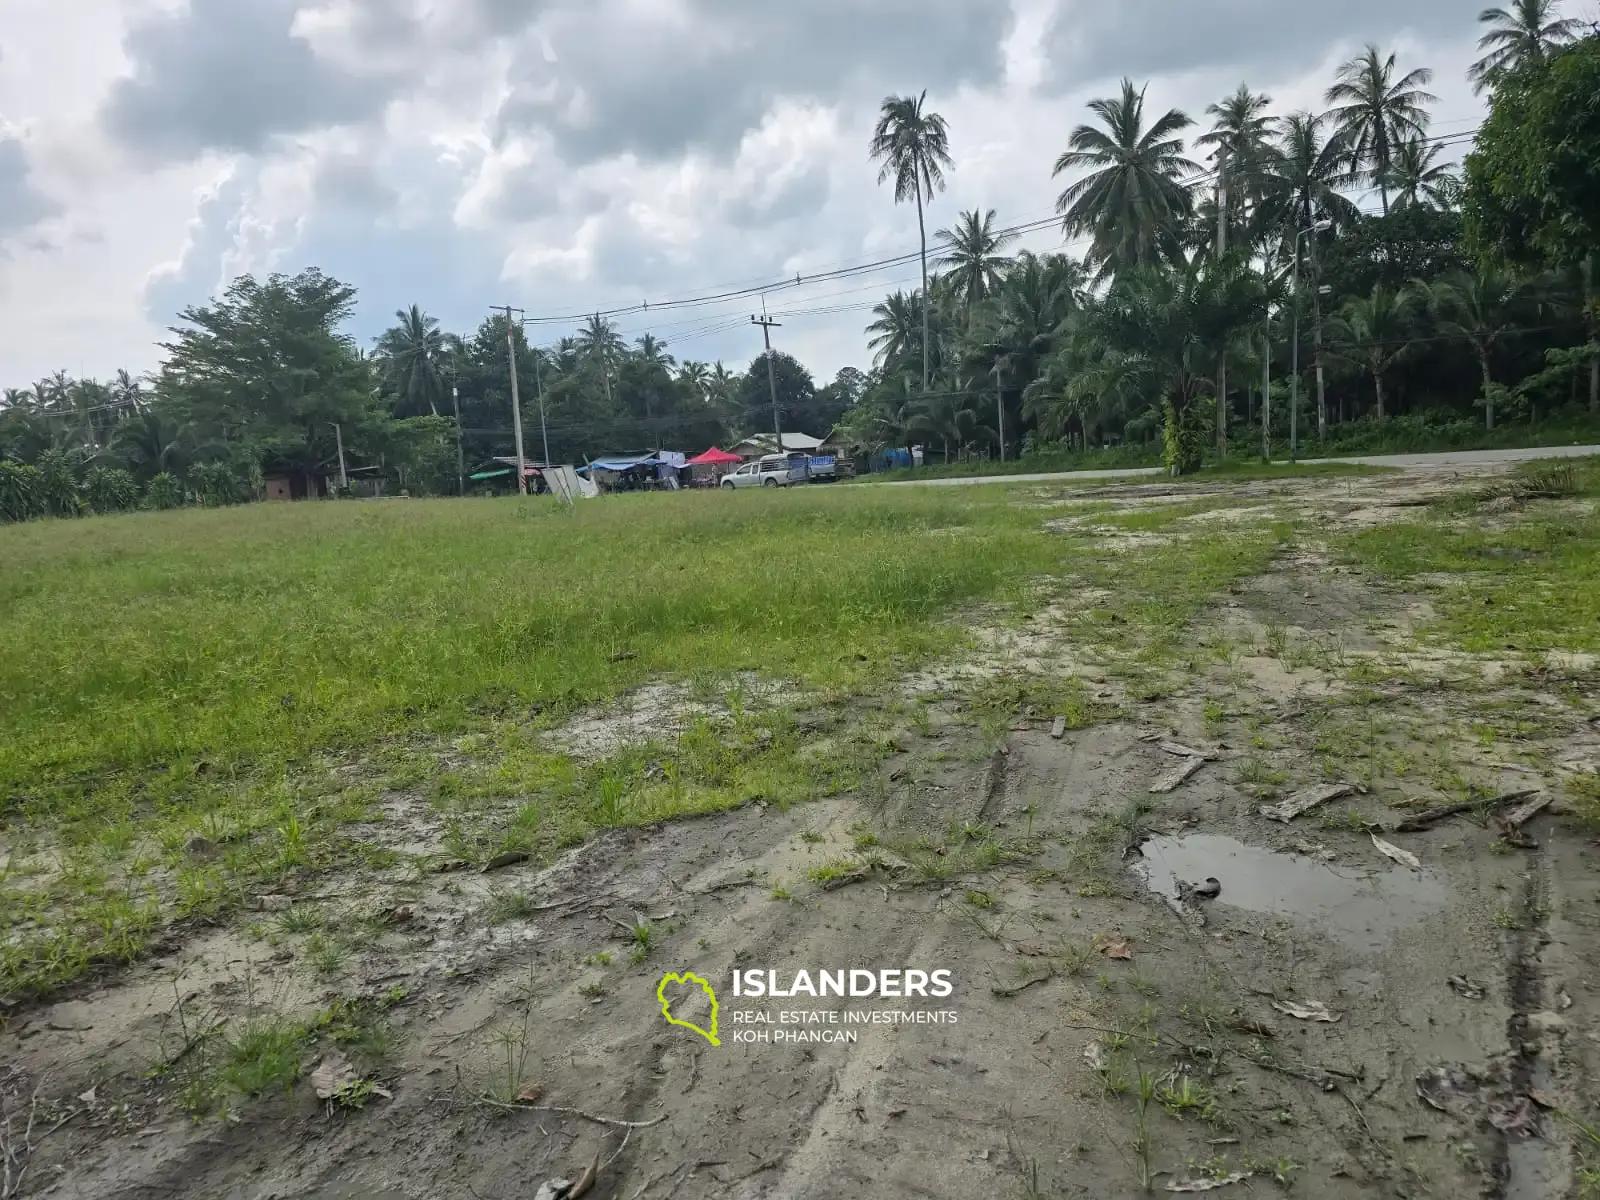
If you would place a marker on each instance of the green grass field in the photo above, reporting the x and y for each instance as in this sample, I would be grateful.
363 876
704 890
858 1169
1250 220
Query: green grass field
267 631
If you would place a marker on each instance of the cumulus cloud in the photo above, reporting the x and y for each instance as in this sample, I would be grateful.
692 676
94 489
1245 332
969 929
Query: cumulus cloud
569 155
22 204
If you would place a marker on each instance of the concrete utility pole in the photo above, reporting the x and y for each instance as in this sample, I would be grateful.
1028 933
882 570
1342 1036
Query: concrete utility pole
538 390
1266 392
1000 412
516 403
344 480
605 367
461 455
767 325
1222 249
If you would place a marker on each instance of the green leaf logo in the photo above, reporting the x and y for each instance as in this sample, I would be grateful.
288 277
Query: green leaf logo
666 1004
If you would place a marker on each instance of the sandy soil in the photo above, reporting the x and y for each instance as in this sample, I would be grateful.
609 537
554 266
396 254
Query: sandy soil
1114 1030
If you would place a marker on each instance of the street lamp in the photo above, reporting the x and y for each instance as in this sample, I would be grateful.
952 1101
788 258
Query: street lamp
1294 370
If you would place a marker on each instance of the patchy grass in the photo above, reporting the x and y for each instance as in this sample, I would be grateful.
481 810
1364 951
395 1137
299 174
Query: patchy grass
253 679
1528 584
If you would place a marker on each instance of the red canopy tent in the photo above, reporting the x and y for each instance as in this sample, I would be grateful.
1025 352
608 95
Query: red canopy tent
715 458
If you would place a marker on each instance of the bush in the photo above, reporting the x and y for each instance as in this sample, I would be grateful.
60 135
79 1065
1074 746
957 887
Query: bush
1182 439
110 489
58 484
21 491
164 492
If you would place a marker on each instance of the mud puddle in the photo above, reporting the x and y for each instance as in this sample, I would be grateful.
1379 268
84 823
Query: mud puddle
1361 909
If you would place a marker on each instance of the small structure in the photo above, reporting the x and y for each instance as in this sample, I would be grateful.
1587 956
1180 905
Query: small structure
762 444
707 470
501 471
295 485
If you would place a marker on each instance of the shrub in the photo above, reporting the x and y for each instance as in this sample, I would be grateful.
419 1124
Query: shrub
164 492
21 493
110 489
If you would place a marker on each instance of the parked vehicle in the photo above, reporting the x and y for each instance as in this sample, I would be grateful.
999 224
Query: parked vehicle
773 470
781 470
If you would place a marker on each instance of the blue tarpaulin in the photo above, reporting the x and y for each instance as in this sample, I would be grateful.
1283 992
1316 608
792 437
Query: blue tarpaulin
622 464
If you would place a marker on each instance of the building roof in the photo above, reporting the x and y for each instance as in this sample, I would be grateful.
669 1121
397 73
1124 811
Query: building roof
791 441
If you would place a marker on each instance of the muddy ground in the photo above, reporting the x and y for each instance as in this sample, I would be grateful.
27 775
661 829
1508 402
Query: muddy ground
1331 1023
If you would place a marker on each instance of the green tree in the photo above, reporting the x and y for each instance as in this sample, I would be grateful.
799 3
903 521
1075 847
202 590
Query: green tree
1374 112
151 442
1417 176
413 354
1153 340
1375 332
913 148
1533 176
1242 146
897 329
796 389
1523 33
1133 202
973 255
1480 308
267 369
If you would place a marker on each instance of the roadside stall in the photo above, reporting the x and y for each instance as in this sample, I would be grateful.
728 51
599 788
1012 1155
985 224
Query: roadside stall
707 470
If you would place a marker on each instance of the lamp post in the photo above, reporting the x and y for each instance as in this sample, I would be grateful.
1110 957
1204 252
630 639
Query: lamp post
1294 370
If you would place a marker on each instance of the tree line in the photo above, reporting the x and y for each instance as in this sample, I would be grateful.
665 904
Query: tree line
1205 297
1211 293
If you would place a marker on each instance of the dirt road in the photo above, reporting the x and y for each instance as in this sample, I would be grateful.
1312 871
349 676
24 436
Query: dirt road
1449 458
1150 990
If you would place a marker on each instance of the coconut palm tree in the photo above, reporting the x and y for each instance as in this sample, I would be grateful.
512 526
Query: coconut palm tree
1480 308
411 353
898 325
1134 201
1375 332
913 147
653 353
696 377
1241 141
1418 177
1523 32
1303 179
1374 112
972 252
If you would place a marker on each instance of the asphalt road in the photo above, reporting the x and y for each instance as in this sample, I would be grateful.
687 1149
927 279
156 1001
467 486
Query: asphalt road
1448 458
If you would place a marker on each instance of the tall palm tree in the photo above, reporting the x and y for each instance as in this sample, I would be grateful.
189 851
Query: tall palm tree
1374 112
913 147
1134 201
1418 177
1523 32
1241 141
894 329
411 353
696 377
1375 332
1480 308
972 252
602 346
653 353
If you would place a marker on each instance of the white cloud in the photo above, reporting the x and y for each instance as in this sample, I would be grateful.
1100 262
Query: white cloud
568 155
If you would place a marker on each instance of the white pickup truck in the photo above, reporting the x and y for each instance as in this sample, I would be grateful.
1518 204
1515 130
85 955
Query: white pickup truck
781 470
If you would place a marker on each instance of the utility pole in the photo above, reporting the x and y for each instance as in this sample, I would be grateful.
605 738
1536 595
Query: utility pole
461 455
1000 411
344 480
1316 336
538 390
1294 356
767 325
1266 392
516 403
605 367
1222 249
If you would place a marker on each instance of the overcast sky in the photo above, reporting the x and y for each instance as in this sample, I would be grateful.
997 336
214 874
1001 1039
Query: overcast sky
569 155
